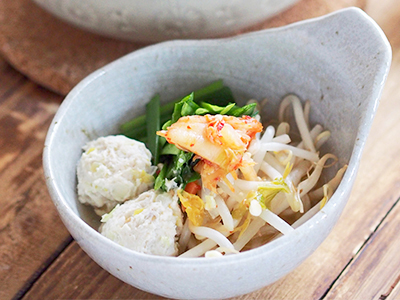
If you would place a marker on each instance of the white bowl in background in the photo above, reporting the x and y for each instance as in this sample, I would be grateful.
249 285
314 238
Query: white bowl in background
339 62
160 20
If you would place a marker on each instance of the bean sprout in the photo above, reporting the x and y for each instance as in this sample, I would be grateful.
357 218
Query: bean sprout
282 181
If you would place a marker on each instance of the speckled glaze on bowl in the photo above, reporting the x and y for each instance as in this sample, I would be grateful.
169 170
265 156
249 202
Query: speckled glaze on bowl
339 62
160 20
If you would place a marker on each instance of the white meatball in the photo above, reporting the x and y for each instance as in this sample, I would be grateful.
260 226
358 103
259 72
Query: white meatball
149 224
113 169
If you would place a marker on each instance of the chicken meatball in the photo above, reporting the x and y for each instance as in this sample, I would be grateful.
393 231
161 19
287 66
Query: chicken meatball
113 169
150 223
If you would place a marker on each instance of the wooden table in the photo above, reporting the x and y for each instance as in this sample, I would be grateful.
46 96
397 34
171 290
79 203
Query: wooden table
39 260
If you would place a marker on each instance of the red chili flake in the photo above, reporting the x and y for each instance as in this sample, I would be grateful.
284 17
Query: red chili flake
191 145
209 163
188 127
220 125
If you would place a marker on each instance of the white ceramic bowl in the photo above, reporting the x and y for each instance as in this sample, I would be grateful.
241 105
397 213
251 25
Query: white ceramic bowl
160 20
339 62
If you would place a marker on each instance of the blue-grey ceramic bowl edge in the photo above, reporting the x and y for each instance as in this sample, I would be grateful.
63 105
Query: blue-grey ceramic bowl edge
89 238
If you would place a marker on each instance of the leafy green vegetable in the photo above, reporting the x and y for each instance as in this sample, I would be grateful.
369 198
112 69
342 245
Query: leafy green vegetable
160 179
153 140
214 93
249 110
170 149
178 169
177 164
185 107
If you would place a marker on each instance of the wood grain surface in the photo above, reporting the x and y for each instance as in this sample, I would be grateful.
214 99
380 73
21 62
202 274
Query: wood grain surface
31 233
39 260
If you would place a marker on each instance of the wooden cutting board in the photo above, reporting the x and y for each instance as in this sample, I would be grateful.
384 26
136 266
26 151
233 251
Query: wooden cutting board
57 56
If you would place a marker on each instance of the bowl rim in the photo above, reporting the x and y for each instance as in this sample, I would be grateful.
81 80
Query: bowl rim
147 27
349 176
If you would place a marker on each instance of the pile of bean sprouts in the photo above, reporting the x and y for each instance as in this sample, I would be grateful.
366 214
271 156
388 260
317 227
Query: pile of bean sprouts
278 158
